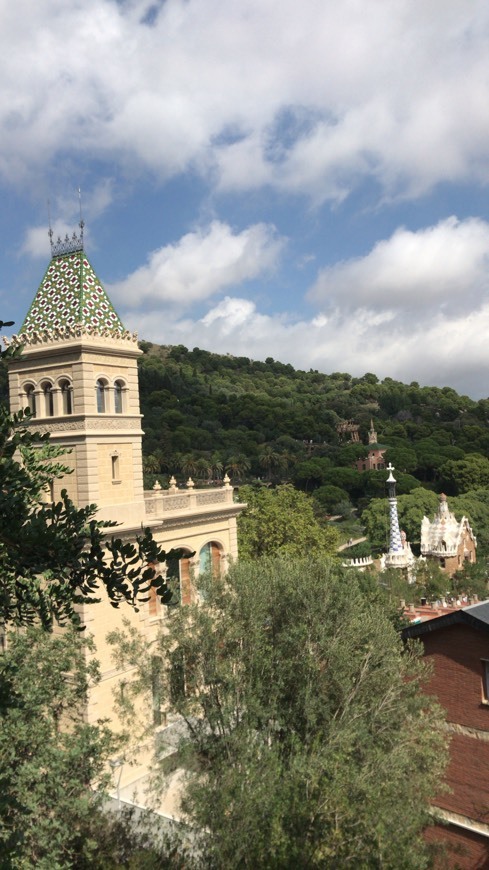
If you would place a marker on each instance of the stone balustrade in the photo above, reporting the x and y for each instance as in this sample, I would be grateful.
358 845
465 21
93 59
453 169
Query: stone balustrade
161 503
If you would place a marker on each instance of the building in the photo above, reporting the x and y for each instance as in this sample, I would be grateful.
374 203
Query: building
446 540
374 460
457 645
78 375
372 434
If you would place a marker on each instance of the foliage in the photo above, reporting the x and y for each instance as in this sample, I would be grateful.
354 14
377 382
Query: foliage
329 496
307 729
281 521
56 556
411 510
472 579
461 475
49 754
283 422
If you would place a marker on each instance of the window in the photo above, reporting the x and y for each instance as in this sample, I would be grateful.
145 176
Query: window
485 681
156 674
173 580
116 474
66 397
118 388
100 389
30 399
48 400
210 559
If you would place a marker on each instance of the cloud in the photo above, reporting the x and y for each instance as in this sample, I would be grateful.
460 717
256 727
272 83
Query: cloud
414 308
414 274
201 264
443 352
308 98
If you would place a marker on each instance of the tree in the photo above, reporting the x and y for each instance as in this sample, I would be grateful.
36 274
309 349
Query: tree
55 556
329 496
49 754
460 475
237 466
281 521
307 729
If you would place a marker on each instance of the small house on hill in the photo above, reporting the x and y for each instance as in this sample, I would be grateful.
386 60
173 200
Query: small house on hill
448 541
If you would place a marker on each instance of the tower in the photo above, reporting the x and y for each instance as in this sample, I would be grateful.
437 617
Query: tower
372 434
400 554
78 375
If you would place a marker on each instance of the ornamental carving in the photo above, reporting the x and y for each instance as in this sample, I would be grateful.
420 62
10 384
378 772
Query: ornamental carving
114 423
68 333
211 497
104 423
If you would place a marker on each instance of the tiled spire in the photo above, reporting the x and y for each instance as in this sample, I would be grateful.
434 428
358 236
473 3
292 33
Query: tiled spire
71 295
395 541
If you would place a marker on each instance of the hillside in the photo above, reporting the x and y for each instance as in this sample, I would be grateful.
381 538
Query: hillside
207 411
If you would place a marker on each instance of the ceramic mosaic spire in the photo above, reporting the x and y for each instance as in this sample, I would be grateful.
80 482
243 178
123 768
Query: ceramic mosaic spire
70 295
400 554
395 541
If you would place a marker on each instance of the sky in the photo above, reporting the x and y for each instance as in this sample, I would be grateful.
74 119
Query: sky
304 181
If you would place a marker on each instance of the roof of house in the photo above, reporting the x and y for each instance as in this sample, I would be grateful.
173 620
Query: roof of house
475 615
443 535
71 295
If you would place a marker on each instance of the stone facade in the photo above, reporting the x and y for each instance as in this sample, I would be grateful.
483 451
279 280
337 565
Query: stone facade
80 379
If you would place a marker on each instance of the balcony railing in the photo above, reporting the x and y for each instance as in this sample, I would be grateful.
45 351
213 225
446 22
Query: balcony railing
161 503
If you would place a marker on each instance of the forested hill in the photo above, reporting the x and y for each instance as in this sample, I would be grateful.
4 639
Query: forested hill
205 412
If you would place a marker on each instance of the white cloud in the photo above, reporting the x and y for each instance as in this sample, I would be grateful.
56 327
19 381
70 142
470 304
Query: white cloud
415 274
445 352
201 264
307 97
414 308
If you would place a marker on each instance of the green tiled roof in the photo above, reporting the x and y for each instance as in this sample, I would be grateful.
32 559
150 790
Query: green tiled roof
70 294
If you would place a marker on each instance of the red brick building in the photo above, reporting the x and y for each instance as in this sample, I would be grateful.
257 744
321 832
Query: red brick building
373 461
457 644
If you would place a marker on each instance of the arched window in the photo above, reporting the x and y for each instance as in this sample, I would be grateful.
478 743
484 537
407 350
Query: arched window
210 559
30 399
66 397
179 581
47 390
118 388
100 389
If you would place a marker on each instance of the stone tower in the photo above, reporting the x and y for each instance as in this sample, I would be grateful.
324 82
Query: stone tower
78 375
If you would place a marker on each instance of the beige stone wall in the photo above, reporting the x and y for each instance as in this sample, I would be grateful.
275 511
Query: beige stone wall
95 439
115 473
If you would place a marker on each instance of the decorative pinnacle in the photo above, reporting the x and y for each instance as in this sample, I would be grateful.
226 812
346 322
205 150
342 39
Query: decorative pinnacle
391 478
67 245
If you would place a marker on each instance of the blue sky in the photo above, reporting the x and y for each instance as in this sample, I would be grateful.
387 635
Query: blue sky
261 177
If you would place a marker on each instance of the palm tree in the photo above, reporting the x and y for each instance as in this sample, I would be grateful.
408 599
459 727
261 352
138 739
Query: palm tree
237 466
188 465
217 467
203 468
269 459
151 464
